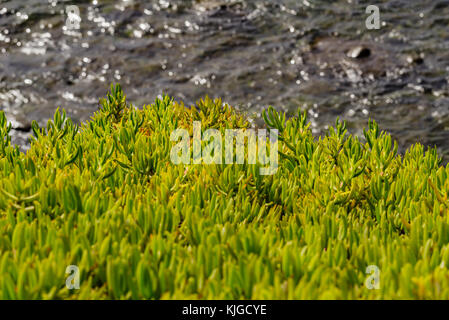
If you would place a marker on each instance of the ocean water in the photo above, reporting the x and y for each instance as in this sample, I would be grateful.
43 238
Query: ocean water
293 55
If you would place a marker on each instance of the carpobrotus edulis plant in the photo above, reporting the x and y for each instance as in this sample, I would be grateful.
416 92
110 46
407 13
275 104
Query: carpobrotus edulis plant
105 197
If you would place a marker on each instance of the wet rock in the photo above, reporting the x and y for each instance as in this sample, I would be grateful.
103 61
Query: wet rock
355 60
414 59
359 52
419 60
19 122
21 126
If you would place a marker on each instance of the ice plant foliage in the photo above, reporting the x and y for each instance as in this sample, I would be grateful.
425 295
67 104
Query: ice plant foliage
213 152
106 197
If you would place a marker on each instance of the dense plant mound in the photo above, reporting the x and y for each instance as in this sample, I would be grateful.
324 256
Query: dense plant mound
106 197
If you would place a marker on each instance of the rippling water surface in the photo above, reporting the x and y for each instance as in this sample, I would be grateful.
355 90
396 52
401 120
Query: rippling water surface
287 53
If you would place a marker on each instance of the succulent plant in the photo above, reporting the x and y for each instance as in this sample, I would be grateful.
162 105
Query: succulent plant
104 196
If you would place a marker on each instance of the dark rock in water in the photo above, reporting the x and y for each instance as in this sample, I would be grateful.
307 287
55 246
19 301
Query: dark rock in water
359 52
415 59
354 59
20 123
419 60
23 127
